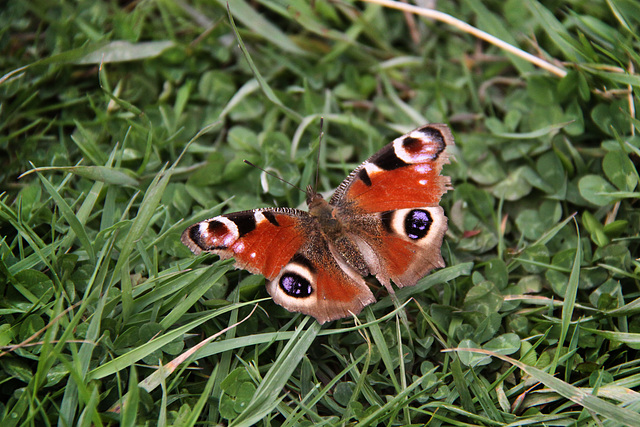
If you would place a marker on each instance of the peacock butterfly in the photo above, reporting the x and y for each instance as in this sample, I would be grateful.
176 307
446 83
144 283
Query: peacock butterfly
383 220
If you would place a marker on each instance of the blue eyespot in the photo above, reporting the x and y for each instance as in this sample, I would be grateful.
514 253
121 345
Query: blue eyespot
417 223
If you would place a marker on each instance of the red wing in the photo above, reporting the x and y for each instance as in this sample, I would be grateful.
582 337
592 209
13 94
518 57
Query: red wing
317 283
262 241
403 174
410 245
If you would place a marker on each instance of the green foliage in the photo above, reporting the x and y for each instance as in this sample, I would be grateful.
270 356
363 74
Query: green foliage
121 124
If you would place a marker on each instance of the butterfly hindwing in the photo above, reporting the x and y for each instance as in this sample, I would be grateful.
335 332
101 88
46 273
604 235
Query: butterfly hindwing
410 246
317 283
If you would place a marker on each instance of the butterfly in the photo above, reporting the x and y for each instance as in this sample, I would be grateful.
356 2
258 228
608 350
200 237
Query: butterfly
383 220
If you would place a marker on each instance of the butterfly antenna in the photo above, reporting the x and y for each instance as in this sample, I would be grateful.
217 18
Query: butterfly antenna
318 158
274 175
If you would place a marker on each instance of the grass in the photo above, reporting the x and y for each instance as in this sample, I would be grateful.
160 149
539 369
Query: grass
121 124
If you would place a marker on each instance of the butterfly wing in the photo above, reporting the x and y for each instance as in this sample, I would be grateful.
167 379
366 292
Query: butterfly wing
389 205
287 247
403 174
262 241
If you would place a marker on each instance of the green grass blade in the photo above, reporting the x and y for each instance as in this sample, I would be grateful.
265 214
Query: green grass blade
570 295
195 292
128 359
556 31
267 394
131 403
260 25
266 89
577 395
70 217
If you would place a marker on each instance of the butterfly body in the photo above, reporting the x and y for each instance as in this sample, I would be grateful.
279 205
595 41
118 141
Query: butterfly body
383 220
